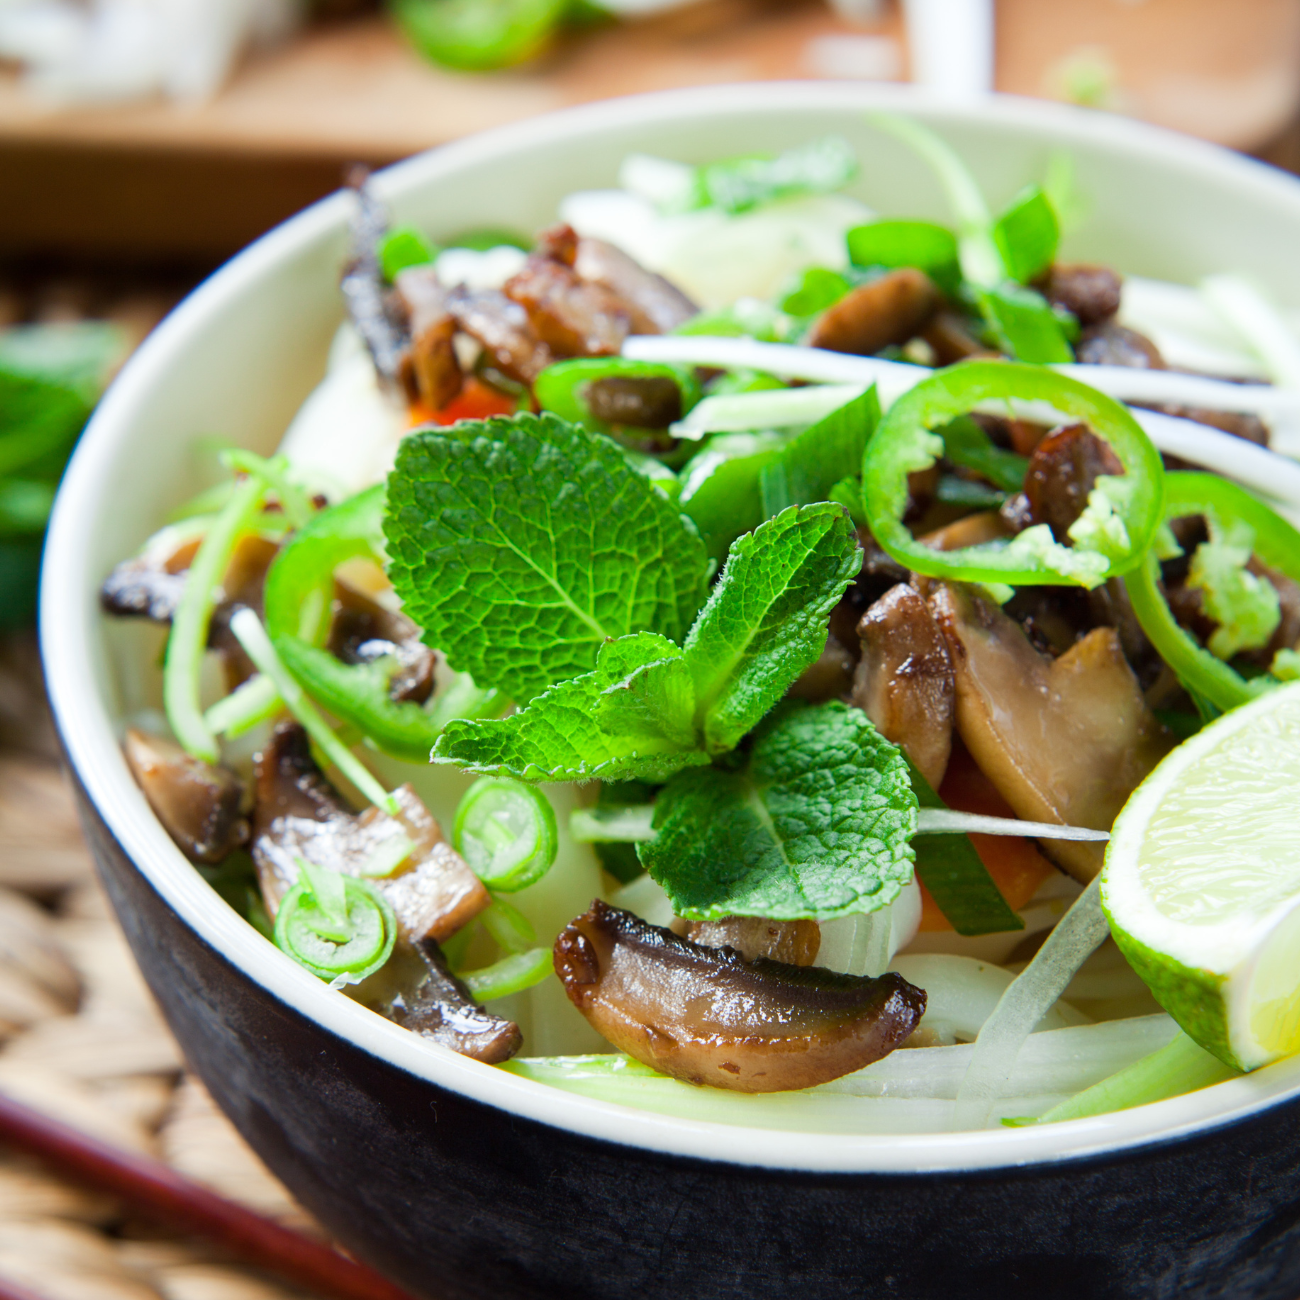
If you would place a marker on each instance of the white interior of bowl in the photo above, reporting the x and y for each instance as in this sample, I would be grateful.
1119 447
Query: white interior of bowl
239 356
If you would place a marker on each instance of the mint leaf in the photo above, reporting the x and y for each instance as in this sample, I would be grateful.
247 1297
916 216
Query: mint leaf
765 620
640 688
522 543
809 465
817 825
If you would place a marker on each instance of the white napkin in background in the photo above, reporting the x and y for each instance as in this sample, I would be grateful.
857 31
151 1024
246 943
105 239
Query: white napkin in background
104 50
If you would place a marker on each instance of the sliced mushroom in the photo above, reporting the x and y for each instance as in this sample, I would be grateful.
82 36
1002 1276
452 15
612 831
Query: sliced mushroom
1065 740
653 305
573 317
1114 345
365 292
892 309
430 369
904 681
1092 293
298 813
642 401
951 340
1062 472
503 330
793 942
971 530
830 677
432 1002
199 804
362 631
150 585
879 572
708 1016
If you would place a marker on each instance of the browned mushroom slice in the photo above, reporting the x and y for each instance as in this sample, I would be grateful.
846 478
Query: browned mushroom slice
1114 345
653 304
430 368
363 631
892 309
198 803
297 813
438 1006
150 584
503 329
793 942
829 677
1062 472
904 681
708 1016
1065 740
971 530
951 340
642 401
1092 293
573 317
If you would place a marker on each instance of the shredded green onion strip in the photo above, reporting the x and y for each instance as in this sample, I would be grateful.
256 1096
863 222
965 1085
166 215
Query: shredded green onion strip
193 617
248 704
248 630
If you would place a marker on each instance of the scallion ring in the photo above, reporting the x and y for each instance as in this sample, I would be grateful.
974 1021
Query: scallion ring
336 926
506 831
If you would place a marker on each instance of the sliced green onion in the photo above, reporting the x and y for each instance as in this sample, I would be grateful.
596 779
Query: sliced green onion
506 831
248 704
275 472
1027 234
1181 1066
629 824
946 821
386 858
252 636
462 699
339 928
511 974
981 262
891 244
512 930
193 617
404 246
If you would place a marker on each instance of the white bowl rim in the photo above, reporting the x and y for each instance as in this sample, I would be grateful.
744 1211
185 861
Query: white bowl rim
68 607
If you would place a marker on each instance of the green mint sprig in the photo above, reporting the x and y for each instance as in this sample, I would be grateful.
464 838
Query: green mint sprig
818 823
649 709
522 544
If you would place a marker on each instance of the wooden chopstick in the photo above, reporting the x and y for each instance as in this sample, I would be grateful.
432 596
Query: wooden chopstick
158 1192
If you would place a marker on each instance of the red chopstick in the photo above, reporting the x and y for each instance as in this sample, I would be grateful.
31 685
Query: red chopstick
158 1192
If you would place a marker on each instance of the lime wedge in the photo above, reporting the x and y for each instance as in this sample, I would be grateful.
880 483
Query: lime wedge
1202 882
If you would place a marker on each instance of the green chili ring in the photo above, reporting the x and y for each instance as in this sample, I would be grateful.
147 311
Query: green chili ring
300 921
904 443
561 387
1277 544
300 583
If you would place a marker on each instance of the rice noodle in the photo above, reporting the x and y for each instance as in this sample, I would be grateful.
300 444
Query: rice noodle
1249 314
993 1062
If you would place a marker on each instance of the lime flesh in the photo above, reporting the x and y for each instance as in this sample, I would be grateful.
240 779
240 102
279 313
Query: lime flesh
1202 882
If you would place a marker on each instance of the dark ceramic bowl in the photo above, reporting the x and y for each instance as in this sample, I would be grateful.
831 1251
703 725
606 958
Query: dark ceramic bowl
460 1180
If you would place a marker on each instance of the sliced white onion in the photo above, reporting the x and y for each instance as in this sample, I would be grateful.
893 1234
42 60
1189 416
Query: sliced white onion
1247 312
1133 384
785 359
775 408
947 821
1083 929
1254 467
